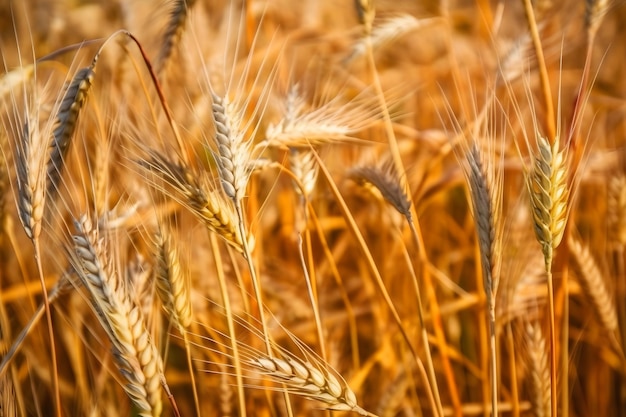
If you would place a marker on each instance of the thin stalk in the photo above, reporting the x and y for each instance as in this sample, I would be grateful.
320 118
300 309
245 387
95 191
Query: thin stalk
192 377
256 285
312 297
543 72
46 302
221 279
424 333
553 370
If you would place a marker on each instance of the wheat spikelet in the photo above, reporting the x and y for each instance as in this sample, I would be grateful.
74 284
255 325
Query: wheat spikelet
66 119
174 30
308 380
171 283
537 365
616 210
30 164
593 284
547 185
233 151
136 356
386 183
209 206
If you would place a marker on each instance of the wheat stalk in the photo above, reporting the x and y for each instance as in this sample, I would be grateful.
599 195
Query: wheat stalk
135 354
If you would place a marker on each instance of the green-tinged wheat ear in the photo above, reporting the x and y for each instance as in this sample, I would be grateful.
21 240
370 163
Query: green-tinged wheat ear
136 356
547 185
537 366
171 283
593 284
208 205
174 30
66 121
616 210
308 380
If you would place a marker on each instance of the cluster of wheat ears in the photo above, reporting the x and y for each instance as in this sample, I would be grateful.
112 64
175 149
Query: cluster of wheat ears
279 208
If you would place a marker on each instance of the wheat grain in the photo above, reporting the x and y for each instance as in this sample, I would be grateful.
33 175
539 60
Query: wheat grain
547 185
171 283
593 284
136 356
66 119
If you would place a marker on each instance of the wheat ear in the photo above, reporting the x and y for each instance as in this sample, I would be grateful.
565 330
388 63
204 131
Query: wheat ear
537 365
31 184
486 205
593 284
66 119
547 185
309 380
135 354
174 30
208 205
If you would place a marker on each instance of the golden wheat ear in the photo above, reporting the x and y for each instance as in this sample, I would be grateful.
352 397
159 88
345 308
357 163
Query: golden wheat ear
173 31
136 356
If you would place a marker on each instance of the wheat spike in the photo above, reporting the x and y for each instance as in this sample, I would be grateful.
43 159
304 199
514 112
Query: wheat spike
136 356
171 283
547 185
304 168
31 180
174 30
485 202
593 284
537 365
387 184
66 119
595 11
308 380
233 151
209 206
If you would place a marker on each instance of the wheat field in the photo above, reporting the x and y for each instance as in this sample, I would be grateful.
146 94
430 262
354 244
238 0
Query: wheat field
277 208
